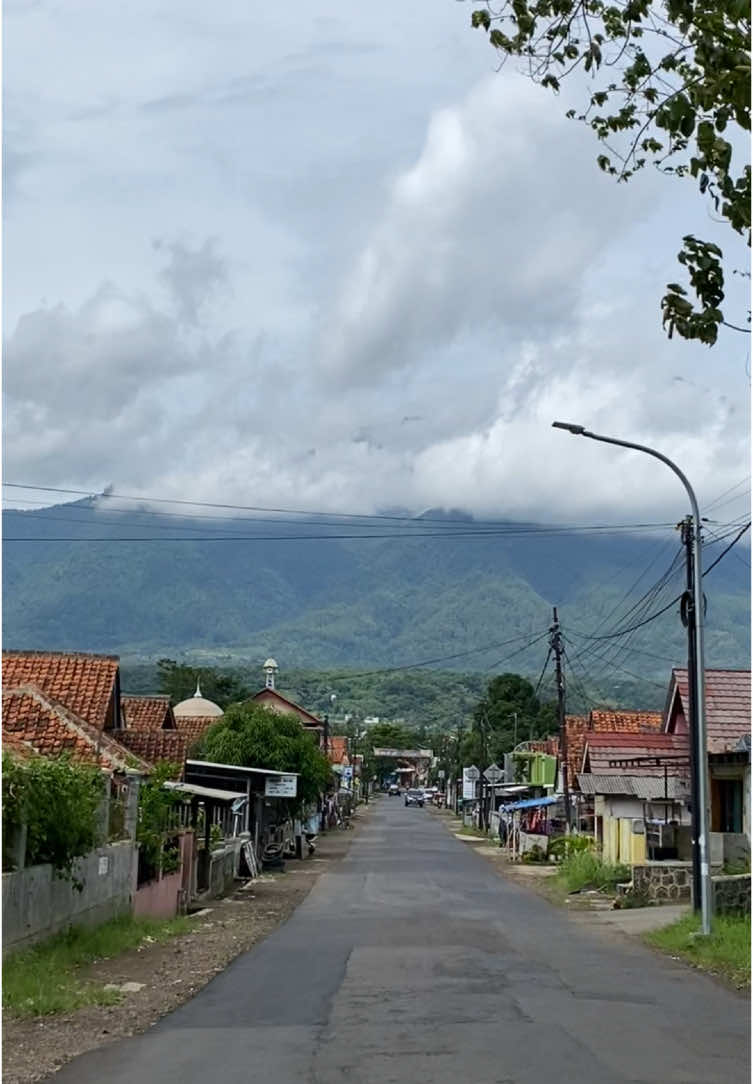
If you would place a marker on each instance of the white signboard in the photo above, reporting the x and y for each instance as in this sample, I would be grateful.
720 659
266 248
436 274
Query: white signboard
281 786
470 776
493 773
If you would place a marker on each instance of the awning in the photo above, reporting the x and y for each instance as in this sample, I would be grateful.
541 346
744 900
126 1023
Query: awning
528 803
203 792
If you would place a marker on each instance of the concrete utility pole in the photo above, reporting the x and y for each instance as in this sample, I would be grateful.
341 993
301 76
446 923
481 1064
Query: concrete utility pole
698 734
688 618
556 646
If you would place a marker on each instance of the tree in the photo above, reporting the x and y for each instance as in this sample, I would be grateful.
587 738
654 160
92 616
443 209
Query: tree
178 681
671 80
257 737
508 713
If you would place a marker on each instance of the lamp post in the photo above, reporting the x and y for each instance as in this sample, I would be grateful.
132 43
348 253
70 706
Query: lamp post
699 780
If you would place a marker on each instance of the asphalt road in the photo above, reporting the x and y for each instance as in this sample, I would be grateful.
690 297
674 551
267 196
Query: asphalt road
412 960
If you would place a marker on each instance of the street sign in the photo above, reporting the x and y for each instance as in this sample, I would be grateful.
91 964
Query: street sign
470 777
493 773
281 786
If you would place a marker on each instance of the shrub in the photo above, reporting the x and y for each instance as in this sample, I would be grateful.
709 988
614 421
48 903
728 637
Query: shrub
564 846
586 870
59 802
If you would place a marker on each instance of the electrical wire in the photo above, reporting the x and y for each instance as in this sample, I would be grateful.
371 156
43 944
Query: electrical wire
298 511
443 658
653 617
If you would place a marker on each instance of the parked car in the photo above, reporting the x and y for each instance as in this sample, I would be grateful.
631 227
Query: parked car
394 789
414 797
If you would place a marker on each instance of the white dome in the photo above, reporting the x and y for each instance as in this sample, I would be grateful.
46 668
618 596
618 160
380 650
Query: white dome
270 664
197 707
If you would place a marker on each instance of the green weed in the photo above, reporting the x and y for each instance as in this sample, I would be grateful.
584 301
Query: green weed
47 978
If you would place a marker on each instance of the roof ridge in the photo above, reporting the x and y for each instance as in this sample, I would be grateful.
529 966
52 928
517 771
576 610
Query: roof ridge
145 696
60 654
100 739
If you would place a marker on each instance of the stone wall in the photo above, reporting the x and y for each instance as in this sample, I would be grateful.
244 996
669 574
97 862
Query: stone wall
663 882
37 904
731 895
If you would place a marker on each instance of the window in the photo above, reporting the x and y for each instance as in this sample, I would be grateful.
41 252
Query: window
729 807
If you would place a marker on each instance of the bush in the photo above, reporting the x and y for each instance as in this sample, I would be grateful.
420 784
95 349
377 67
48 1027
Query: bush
564 846
585 869
59 801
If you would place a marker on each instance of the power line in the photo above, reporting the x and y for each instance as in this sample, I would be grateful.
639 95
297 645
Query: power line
301 511
444 658
640 624
519 652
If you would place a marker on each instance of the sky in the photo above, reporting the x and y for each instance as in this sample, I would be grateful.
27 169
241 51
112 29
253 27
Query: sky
329 257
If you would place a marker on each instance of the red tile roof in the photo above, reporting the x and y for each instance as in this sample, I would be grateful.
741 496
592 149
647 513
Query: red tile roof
602 748
31 716
195 726
84 684
271 698
580 727
154 746
17 747
728 706
147 712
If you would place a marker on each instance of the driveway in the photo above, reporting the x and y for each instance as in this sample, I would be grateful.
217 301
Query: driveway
413 960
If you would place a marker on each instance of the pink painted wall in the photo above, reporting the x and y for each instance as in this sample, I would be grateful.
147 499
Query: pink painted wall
158 899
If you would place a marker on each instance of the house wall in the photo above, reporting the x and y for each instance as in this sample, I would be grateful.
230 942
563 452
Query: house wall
37 904
620 842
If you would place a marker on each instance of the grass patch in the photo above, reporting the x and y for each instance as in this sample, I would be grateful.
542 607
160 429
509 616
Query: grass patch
471 831
725 952
47 979
585 869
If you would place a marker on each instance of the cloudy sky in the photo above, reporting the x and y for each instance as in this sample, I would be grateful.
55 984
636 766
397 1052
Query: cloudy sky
325 256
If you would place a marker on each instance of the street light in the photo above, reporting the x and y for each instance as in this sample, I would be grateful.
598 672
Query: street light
699 780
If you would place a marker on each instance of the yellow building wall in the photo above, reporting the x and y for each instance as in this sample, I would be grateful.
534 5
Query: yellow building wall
620 843
611 845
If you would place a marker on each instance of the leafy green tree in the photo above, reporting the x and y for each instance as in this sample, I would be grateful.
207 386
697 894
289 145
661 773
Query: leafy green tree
670 86
179 683
509 712
256 737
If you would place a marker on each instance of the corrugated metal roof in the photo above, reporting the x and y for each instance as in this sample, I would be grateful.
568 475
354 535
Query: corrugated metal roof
644 787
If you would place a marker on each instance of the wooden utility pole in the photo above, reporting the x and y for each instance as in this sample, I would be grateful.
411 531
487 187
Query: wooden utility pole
556 646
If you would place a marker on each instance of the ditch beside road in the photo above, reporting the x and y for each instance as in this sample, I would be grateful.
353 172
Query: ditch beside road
166 974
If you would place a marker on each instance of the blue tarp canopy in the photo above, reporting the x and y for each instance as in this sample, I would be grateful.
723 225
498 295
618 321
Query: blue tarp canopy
527 803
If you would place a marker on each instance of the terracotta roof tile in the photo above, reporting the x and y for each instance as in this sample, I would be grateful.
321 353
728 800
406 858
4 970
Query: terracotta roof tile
84 684
154 746
601 748
194 727
579 727
31 716
728 705
273 699
147 712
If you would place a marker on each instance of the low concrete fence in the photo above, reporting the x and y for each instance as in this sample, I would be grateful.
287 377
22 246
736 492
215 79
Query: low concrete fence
160 898
731 894
37 904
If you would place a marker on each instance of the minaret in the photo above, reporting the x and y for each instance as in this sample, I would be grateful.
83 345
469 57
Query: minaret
270 669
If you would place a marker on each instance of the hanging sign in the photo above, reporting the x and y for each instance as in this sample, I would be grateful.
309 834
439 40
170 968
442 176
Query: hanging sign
281 786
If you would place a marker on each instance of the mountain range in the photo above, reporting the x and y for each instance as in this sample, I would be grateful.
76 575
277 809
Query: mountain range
442 589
